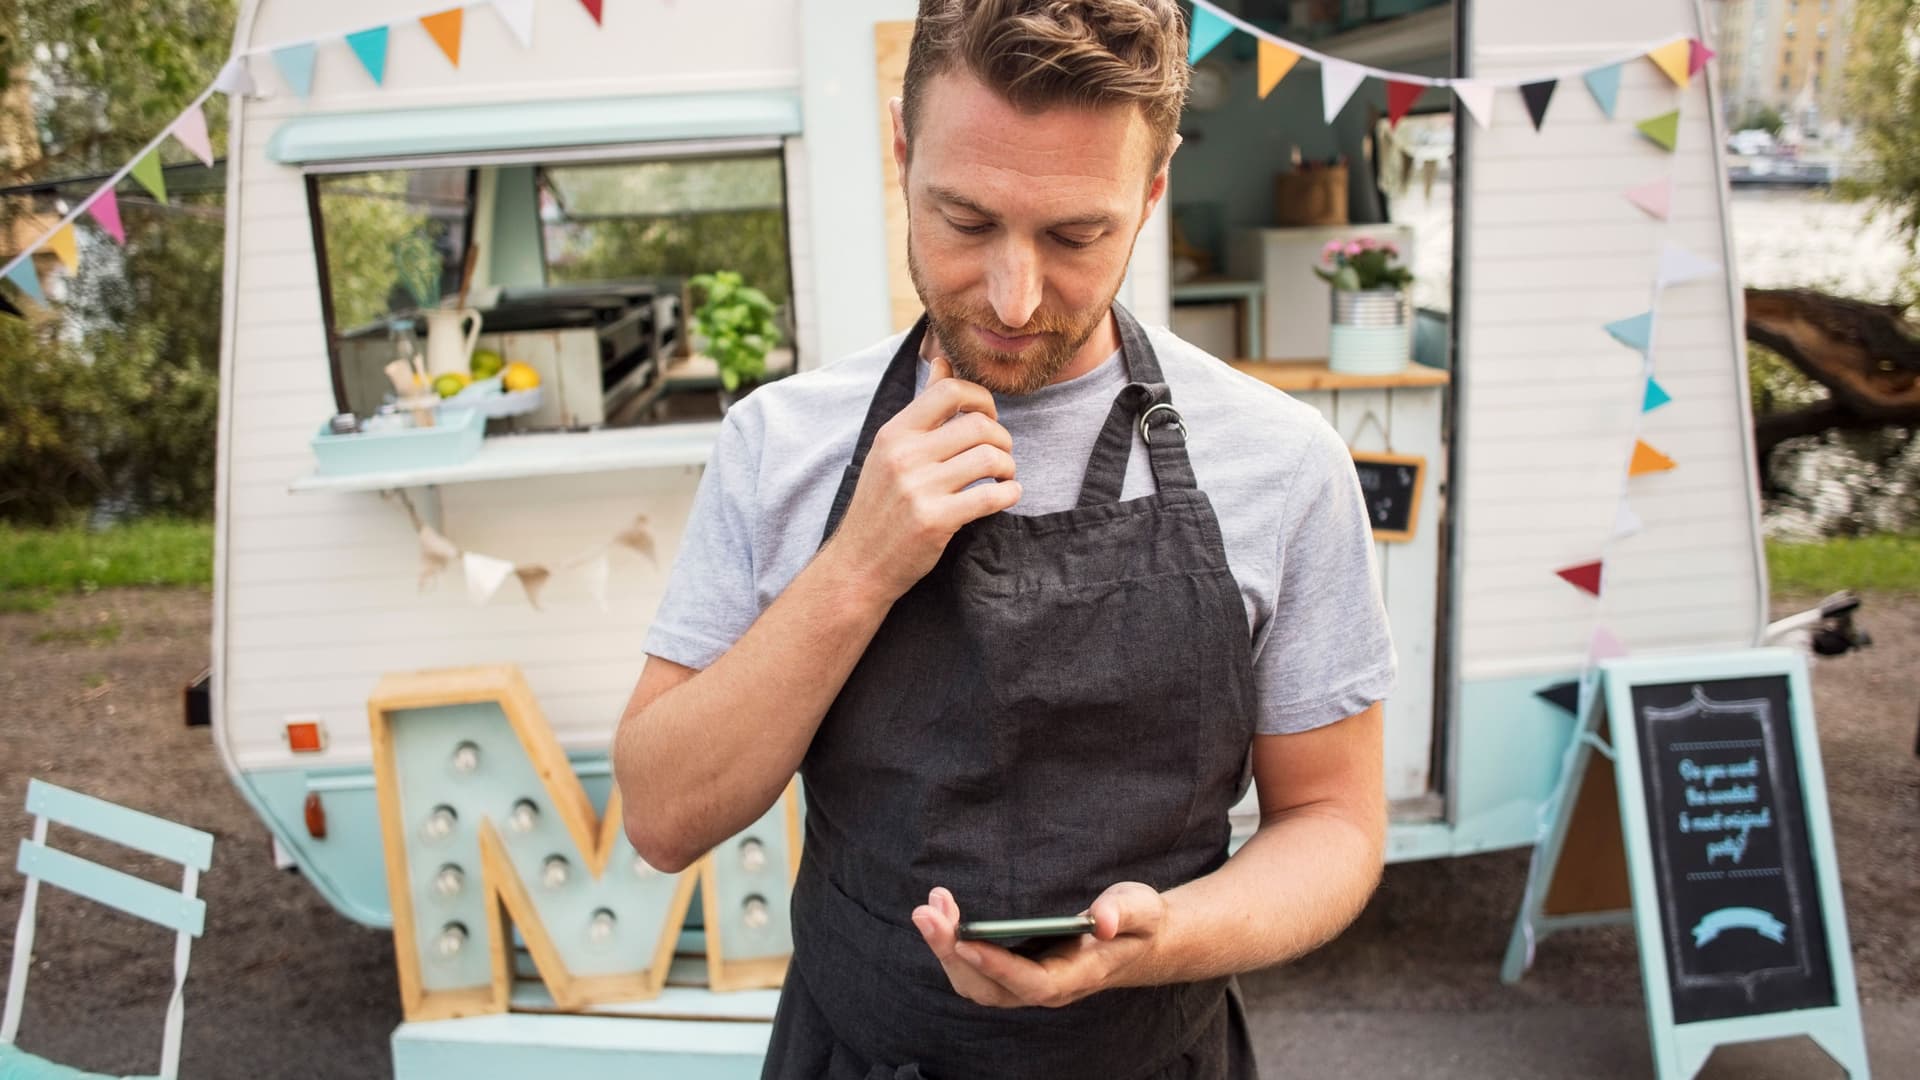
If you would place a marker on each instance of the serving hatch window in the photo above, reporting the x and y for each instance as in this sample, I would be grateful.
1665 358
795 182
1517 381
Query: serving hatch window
575 274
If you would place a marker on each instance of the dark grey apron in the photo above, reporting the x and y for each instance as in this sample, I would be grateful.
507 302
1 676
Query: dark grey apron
1064 702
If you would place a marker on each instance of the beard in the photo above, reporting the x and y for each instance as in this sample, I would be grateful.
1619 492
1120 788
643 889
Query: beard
1058 337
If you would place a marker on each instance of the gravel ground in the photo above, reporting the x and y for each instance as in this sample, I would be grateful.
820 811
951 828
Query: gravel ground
284 987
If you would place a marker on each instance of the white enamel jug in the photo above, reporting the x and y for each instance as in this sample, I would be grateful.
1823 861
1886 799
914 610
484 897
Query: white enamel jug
448 348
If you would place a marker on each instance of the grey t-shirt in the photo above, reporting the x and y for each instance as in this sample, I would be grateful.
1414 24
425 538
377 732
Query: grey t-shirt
1280 479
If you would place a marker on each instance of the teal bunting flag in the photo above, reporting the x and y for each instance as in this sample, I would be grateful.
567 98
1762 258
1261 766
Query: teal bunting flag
296 66
1605 85
24 275
1656 397
1209 29
1635 332
371 47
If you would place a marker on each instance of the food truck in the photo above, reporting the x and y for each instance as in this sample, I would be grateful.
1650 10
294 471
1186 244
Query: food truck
536 181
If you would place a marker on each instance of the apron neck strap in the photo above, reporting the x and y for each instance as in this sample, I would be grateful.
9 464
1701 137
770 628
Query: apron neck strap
1145 405
895 393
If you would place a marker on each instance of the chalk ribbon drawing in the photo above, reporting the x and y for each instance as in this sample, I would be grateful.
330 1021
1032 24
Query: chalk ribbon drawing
1739 918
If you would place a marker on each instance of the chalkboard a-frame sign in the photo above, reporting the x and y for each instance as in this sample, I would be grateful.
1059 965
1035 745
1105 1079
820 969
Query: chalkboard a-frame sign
1728 848
1391 485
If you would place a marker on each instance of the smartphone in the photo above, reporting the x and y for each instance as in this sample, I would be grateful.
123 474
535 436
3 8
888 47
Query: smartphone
1015 929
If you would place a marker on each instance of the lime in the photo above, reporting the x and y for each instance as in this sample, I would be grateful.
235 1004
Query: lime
486 363
450 384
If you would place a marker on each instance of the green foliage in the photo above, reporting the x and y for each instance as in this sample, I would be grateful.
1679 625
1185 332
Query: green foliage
753 242
1883 82
375 243
155 551
1762 116
1775 385
1884 563
737 321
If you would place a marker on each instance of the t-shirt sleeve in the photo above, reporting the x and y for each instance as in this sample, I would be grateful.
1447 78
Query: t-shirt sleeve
711 598
1326 652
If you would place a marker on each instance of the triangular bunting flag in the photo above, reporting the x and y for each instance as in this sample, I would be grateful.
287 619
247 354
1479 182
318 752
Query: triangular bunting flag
63 244
1655 197
1697 56
1400 98
105 209
593 9
596 574
518 15
1604 646
1537 94
1208 30
638 537
1478 99
235 80
436 553
1565 695
1635 333
1647 460
1338 81
1672 58
485 575
1663 129
1585 577
1625 522
7 307
191 130
1679 266
296 67
533 579
371 47
1275 62
148 171
1605 85
444 28
1656 396
24 275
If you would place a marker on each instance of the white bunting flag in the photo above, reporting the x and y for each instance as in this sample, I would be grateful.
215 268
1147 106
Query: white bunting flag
1478 99
1679 266
485 575
518 15
1338 81
235 79
595 573
1626 522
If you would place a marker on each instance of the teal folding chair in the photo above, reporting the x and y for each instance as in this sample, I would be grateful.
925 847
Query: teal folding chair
180 911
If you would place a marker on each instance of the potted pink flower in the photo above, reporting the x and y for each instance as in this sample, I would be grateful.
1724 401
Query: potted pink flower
1371 332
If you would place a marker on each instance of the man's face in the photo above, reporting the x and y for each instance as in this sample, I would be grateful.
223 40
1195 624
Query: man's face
1019 226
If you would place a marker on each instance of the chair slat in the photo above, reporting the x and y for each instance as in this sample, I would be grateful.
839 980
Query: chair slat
135 896
142 832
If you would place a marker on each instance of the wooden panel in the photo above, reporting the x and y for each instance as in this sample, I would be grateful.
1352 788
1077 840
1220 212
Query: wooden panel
890 43
1297 375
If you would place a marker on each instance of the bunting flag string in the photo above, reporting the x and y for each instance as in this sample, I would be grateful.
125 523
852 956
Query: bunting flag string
484 574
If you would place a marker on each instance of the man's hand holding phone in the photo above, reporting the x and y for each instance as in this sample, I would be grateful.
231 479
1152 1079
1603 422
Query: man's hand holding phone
1117 951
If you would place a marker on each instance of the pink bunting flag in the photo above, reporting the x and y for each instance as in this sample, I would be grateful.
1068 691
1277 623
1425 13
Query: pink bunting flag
1604 645
1656 197
191 130
1697 56
105 209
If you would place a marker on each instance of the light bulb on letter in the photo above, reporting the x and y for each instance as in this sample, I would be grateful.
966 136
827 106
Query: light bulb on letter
450 880
524 817
553 873
440 822
453 938
601 928
753 855
466 757
754 913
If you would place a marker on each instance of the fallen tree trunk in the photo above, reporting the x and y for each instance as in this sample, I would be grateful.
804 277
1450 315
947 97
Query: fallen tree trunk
1866 355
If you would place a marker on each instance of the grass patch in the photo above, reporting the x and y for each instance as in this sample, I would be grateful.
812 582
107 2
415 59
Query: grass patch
101 633
1889 564
36 562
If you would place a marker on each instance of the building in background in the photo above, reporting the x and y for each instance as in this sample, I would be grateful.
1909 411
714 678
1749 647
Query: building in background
1784 55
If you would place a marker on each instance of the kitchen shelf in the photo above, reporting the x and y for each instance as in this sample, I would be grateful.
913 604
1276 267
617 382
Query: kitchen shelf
517 457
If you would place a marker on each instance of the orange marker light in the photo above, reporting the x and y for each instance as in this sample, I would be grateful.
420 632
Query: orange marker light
305 737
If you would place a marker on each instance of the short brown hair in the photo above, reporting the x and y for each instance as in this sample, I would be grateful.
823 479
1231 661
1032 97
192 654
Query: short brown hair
1042 53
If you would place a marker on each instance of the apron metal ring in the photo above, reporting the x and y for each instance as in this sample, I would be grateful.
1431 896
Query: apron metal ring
1146 432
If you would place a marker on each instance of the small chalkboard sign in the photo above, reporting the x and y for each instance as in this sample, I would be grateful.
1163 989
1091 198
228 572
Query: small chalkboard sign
1726 847
1391 484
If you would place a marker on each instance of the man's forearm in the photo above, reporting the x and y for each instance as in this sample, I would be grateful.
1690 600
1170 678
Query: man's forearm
710 755
1294 886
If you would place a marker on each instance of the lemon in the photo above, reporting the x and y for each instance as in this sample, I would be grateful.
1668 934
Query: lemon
451 383
486 363
520 376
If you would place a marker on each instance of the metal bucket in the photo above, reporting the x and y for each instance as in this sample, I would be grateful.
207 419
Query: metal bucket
1369 307
1371 332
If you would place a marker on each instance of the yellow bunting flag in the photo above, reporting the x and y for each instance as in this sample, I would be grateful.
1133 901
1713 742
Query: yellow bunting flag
62 244
1674 58
445 31
1646 460
1275 62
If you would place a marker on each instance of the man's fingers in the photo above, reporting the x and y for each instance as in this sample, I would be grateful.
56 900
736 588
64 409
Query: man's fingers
980 463
941 368
967 430
941 400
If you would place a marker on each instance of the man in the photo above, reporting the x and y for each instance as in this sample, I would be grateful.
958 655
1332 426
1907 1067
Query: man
1077 581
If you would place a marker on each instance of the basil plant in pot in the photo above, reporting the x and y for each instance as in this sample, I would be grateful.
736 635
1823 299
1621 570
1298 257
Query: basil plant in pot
1372 325
737 324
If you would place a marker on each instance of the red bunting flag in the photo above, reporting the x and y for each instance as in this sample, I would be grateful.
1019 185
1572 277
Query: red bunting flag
1586 576
1697 56
1400 98
105 209
593 9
